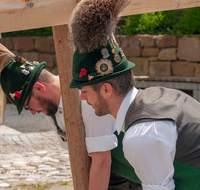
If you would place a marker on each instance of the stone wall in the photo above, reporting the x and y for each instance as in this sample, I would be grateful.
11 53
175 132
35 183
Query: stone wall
163 55
153 55
34 49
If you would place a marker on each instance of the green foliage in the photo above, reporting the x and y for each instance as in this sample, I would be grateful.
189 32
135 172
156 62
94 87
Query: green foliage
34 186
166 22
189 22
151 23
33 32
70 183
38 186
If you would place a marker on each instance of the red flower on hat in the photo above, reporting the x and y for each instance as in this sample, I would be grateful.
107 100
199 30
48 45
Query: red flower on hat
83 72
18 94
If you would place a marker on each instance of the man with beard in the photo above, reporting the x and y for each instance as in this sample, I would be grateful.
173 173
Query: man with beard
31 87
157 129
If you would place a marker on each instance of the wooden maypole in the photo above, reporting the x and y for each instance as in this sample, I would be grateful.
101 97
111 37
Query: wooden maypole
72 113
2 99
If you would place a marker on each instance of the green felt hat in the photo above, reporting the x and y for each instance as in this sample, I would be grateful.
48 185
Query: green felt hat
98 66
17 80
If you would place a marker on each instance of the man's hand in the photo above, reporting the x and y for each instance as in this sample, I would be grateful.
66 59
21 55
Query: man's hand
100 170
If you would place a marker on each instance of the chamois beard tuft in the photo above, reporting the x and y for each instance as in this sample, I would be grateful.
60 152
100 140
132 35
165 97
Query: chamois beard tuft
94 21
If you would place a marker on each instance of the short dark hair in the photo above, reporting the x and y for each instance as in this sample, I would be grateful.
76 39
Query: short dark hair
45 76
122 84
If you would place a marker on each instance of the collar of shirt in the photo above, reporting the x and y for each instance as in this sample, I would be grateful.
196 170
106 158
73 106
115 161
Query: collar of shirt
60 103
121 114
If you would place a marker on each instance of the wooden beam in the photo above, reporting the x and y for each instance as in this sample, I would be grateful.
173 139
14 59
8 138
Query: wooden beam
79 159
147 6
18 15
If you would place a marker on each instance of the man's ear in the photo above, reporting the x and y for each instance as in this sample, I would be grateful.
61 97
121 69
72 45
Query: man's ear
106 90
40 87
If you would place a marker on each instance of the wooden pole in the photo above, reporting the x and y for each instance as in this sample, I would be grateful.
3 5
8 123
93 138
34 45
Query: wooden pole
3 105
2 99
71 105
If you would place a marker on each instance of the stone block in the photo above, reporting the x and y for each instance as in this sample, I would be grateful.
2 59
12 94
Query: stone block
48 58
44 44
54 71
147 40
7 42
160 68
48 69
197 70
55 59
141 66
153 58
150 51
30 56
15 52
166 41
131 46
167 54
183 68
23 43
119 39
189 48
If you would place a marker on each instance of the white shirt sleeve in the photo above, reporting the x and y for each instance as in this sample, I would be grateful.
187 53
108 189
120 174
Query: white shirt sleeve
98 130
150 148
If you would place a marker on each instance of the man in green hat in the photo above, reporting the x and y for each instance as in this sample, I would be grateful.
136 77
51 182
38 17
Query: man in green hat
157 130
29 86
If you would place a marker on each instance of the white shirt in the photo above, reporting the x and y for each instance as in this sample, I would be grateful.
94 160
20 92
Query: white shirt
94 126
61 123
98 130
149 147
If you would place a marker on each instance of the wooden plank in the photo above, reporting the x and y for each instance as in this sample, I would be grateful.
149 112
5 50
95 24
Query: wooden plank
146 6
17 15
71 106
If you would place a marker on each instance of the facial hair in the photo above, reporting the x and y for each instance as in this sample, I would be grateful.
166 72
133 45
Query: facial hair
50 108
101 107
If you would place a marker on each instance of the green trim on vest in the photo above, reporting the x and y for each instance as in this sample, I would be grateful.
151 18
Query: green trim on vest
185 177
120 165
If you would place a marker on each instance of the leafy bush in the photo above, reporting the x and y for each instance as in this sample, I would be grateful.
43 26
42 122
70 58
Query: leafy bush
165 22
189 22
151 23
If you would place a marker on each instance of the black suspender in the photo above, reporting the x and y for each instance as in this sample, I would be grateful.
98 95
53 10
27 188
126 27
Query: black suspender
59 130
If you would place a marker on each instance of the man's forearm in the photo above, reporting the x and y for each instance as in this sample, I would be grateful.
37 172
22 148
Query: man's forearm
100 172
99 178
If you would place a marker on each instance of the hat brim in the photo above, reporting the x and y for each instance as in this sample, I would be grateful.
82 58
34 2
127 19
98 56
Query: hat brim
77 84
33 77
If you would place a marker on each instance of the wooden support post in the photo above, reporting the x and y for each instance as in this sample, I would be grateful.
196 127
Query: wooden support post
71 105
3 105
2 99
